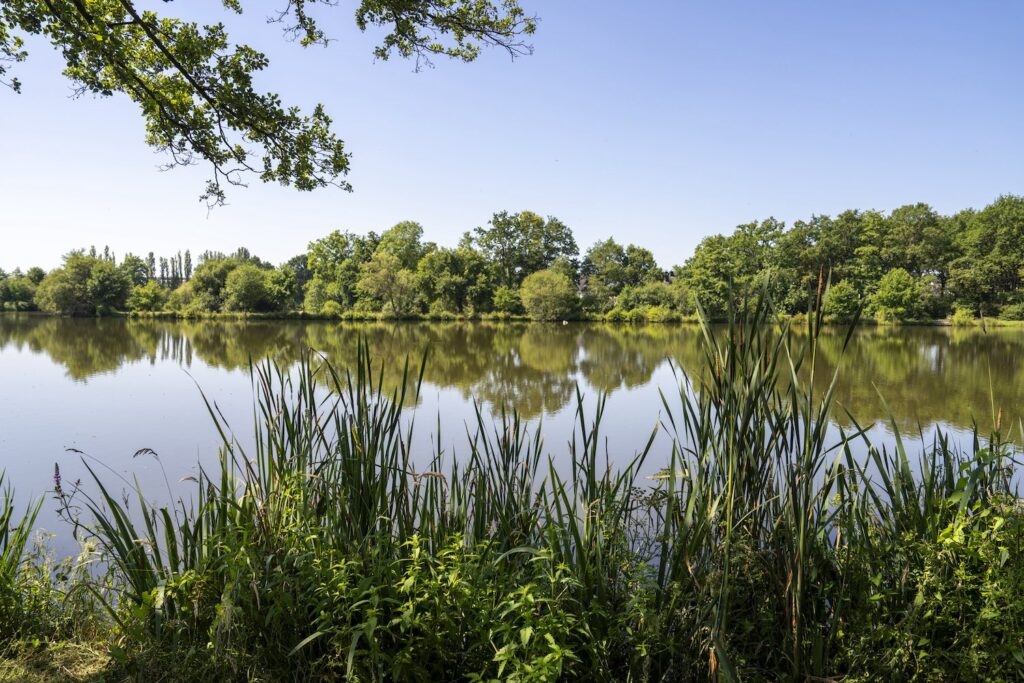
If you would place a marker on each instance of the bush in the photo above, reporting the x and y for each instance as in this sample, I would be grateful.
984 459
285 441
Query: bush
948 607
661 314
247 288
898 297
438 311
617 315
637 315
656 293
642 314
842 301
331 309
507 301
189 303
962 317
148 297
1012 312
548 295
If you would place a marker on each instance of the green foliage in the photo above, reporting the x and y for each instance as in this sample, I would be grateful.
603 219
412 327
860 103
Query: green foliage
84 285
247 288
842 302
190 301
608 269
653 293
405 242
898 297
962 317
653 314
205 291
35 274
948 607
331 309
148 297
136 269
195 87
912 264
335 262
17 293
386 286
454 280
15 532
517 245
548 295
507 300
972 259
1012 312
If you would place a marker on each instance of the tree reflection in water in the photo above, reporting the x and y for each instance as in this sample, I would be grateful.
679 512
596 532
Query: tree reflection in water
926 374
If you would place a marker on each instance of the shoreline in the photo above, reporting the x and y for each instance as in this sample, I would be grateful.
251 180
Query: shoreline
490 318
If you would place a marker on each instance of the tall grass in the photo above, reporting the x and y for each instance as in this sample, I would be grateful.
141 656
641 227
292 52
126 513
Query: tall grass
15 532
765 549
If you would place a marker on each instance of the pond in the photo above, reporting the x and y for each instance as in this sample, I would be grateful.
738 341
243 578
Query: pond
110 387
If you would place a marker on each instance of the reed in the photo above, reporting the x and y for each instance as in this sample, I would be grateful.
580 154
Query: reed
15 532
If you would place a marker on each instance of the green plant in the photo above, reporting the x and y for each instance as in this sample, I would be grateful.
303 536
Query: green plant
1012 312
898 297
962 317
548 295
15 532
842 302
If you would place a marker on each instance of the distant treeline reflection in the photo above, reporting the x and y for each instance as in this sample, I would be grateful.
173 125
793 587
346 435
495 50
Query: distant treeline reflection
926 374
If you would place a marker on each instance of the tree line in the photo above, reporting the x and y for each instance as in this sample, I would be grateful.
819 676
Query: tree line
909 264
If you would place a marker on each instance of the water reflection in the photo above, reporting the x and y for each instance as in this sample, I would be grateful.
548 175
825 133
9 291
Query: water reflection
927 375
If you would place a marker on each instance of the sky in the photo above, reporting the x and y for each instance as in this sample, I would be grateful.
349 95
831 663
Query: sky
657 123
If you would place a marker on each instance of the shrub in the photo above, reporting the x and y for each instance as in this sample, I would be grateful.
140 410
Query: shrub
946 607
506 300
962 317
637 315
648 314
148 297
190 302
548 295
655 293
662 314
842 301
438 311
247 288
331 309
616 315
1012 312
898 297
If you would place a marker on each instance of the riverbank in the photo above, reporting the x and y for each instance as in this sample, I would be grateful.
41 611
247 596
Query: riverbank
332 551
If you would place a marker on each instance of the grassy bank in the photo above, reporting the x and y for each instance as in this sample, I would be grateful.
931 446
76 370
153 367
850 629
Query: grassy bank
763 551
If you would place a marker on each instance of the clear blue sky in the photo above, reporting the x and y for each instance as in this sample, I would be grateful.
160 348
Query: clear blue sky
658 123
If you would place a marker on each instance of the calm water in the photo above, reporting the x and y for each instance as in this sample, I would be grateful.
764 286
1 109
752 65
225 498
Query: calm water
112 387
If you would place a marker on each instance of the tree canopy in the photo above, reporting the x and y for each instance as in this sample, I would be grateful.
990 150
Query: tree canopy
910 264
195 87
